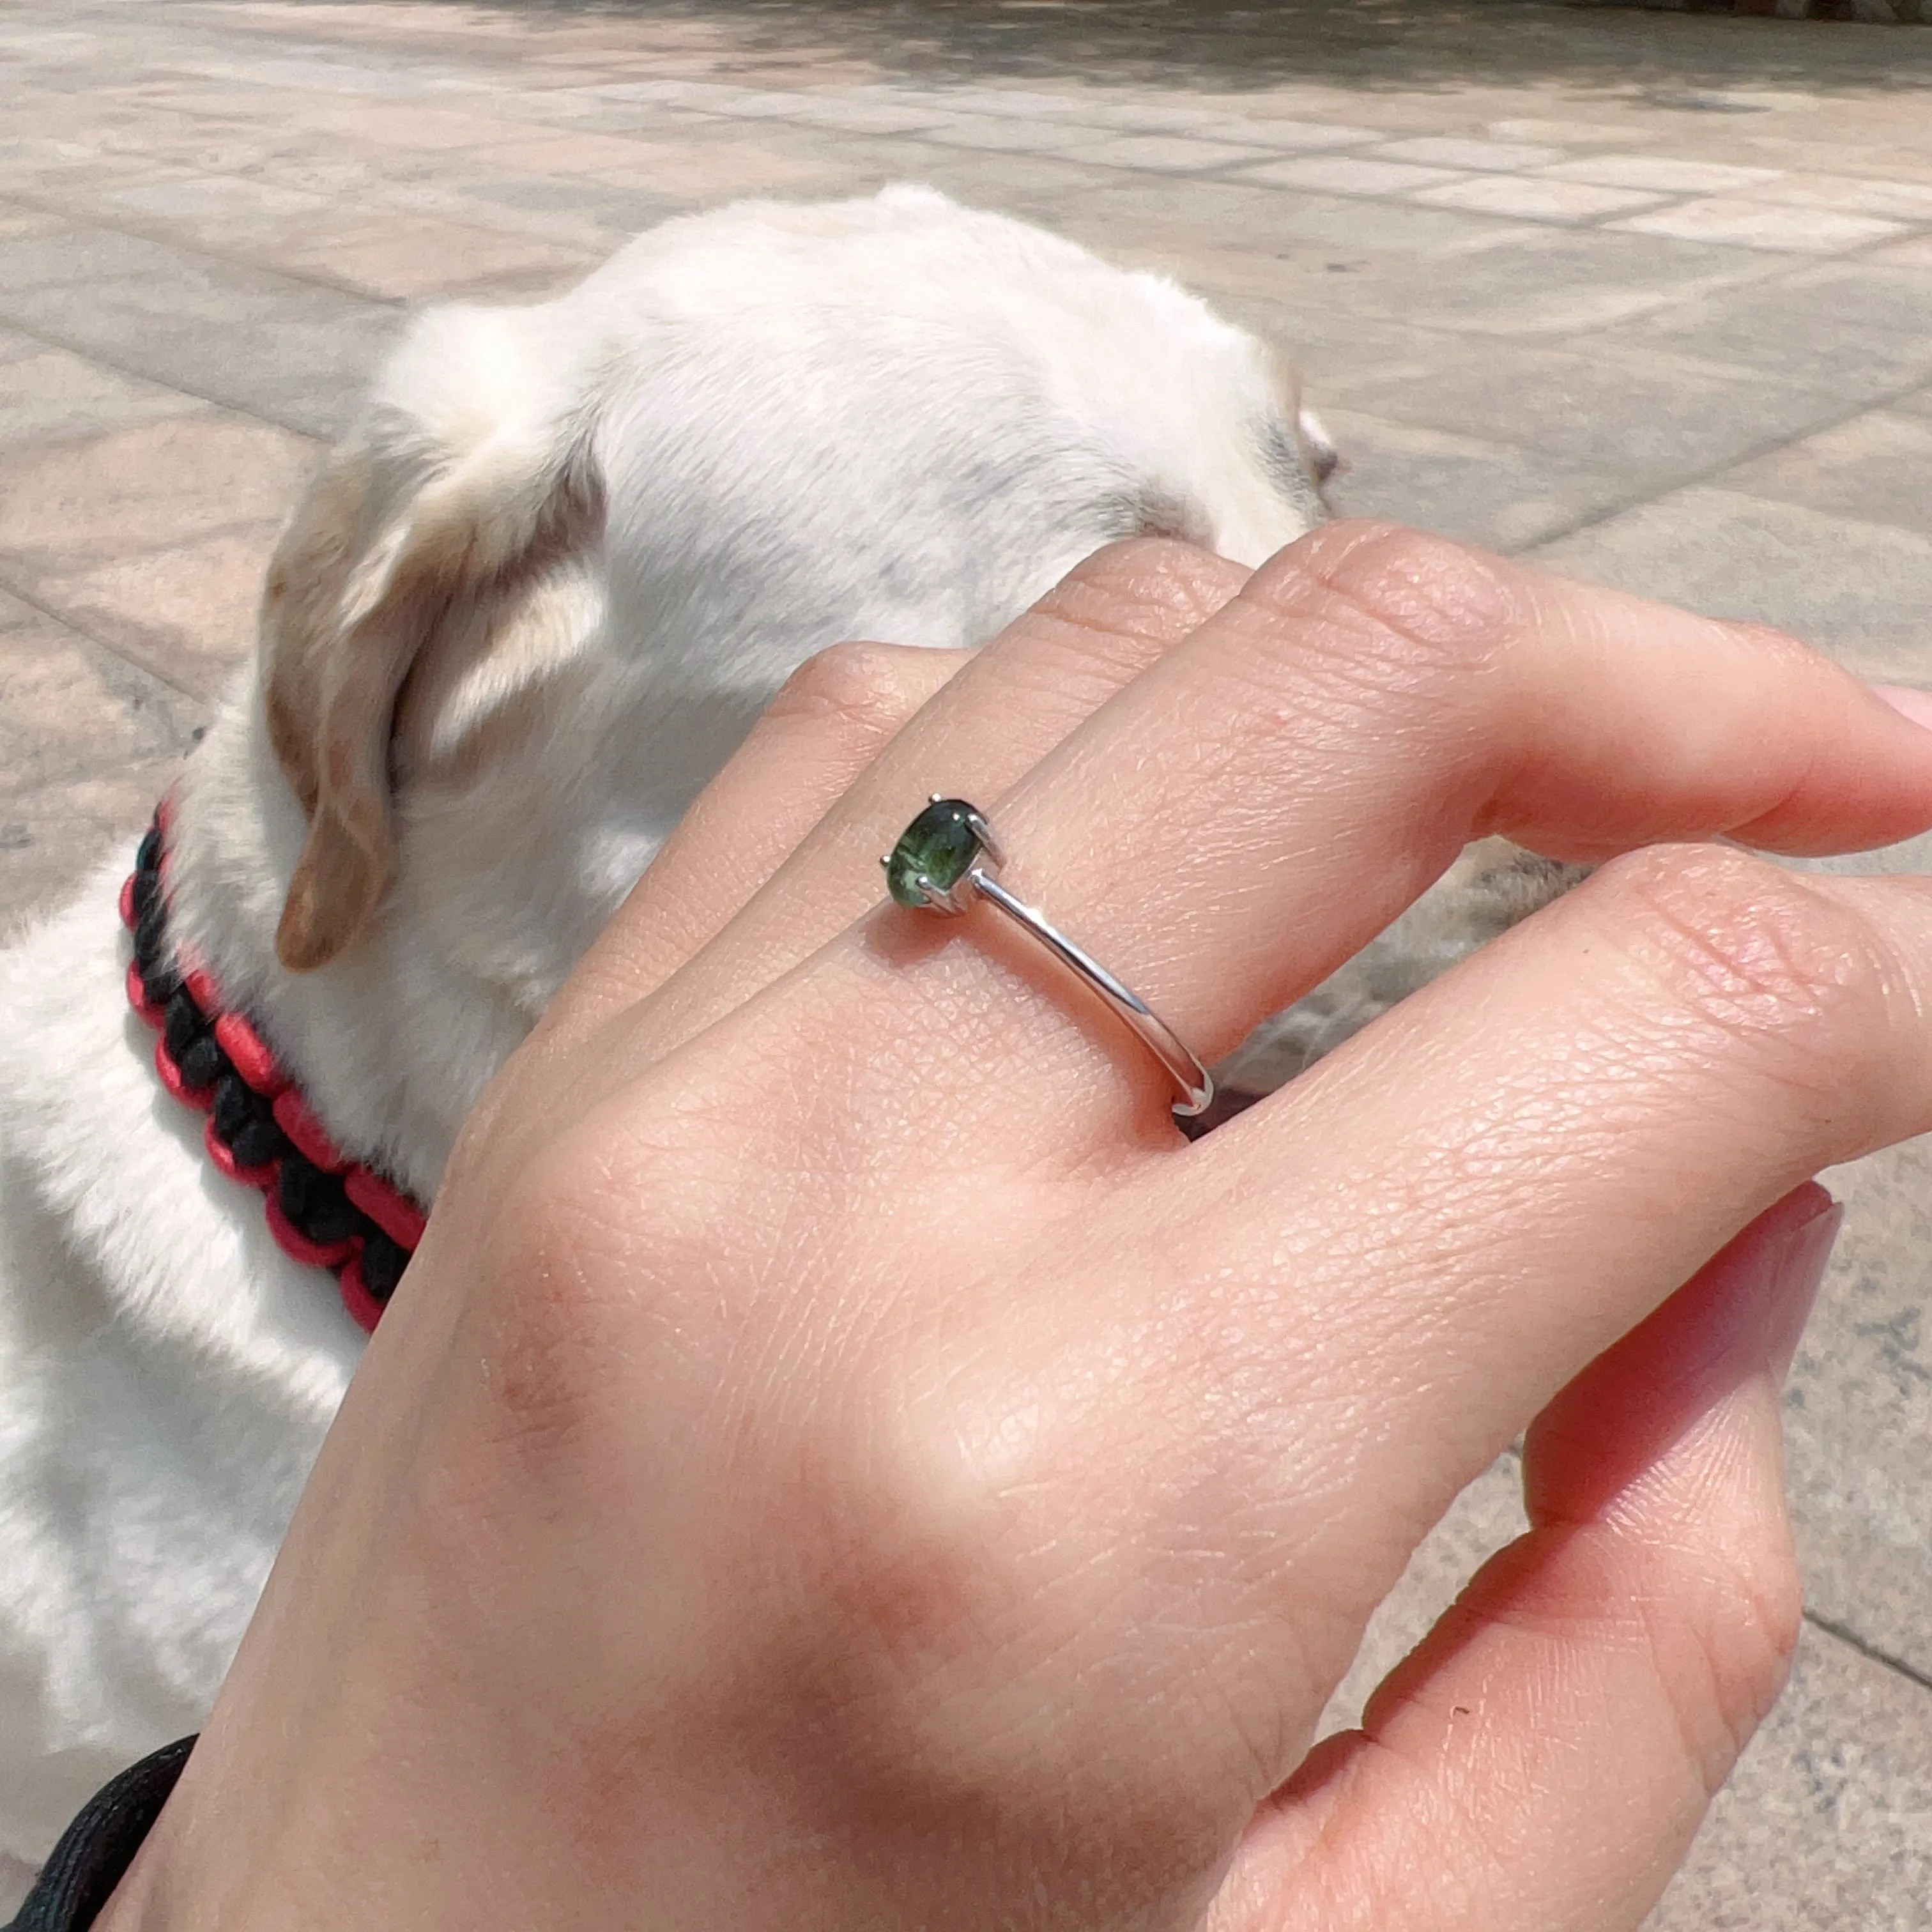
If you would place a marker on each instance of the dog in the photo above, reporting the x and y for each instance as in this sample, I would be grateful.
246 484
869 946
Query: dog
527 608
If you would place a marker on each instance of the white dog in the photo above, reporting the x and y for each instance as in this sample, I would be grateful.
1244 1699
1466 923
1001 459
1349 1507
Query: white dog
526 609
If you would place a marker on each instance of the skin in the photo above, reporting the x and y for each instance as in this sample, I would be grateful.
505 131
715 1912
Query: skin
839 1459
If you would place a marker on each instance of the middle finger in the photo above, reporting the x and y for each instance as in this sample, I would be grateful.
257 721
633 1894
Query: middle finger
1258 804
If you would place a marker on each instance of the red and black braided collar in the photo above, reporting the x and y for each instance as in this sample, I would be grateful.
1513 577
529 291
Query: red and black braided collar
322 1207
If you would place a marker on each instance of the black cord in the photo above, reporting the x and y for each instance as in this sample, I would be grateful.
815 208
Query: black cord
95 1851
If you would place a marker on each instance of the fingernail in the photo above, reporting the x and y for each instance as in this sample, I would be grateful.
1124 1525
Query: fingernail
1915 705
1795 1279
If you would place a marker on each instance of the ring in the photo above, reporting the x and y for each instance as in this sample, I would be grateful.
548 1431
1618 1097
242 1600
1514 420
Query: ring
940 865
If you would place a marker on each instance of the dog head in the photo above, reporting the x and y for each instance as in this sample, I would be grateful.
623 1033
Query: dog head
753 433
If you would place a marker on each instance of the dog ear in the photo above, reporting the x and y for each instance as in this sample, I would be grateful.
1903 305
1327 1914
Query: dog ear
1318 447
388 546
1301 452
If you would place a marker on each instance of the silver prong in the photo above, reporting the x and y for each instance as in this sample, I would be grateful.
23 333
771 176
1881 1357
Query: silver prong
981 830
885 863
935 798
939 901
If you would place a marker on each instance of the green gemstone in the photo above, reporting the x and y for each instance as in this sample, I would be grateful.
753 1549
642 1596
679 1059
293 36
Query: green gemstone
938 845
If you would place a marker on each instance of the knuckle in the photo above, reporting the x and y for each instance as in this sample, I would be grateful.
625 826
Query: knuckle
1144 592
935 1587
859 691
1166 573
1420 605
566 1289
1760 956
926 1559
933 1547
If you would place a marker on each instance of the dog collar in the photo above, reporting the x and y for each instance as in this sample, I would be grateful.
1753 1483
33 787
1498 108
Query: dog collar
323 1208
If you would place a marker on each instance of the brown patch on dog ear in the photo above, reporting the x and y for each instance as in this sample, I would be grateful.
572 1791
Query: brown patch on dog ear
337 884
301 603
348 860
434 544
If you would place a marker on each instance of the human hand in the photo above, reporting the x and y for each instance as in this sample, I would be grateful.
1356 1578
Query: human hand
839 1459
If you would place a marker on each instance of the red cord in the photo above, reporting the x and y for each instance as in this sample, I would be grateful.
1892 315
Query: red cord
392 1211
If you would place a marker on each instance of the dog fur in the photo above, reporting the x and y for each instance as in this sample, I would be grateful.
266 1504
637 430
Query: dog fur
527 608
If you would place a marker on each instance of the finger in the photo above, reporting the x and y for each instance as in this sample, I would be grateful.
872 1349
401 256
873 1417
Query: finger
1544 1759
1253 809
1392 1264
832 717
1548 1138
1112 616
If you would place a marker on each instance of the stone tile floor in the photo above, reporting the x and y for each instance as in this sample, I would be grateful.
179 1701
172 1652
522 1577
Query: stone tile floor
1648 297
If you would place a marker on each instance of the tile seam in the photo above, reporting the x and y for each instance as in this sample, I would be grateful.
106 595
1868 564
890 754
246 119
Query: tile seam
1873 1653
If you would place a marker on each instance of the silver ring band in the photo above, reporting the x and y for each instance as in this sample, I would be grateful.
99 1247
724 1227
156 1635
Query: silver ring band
940 864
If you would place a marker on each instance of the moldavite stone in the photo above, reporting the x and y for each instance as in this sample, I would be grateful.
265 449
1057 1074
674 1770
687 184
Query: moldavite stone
939 845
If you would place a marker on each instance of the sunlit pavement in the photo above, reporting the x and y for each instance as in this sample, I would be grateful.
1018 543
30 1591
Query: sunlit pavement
1647 297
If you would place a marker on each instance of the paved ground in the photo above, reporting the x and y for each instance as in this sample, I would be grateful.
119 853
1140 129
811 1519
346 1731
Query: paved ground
1644 295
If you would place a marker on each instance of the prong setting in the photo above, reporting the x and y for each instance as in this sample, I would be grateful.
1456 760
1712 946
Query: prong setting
950 903
990 845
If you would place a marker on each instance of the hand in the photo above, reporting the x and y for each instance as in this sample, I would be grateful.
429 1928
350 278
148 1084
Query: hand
839 1459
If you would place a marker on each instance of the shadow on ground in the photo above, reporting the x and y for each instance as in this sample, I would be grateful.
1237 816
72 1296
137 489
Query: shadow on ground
1674 59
